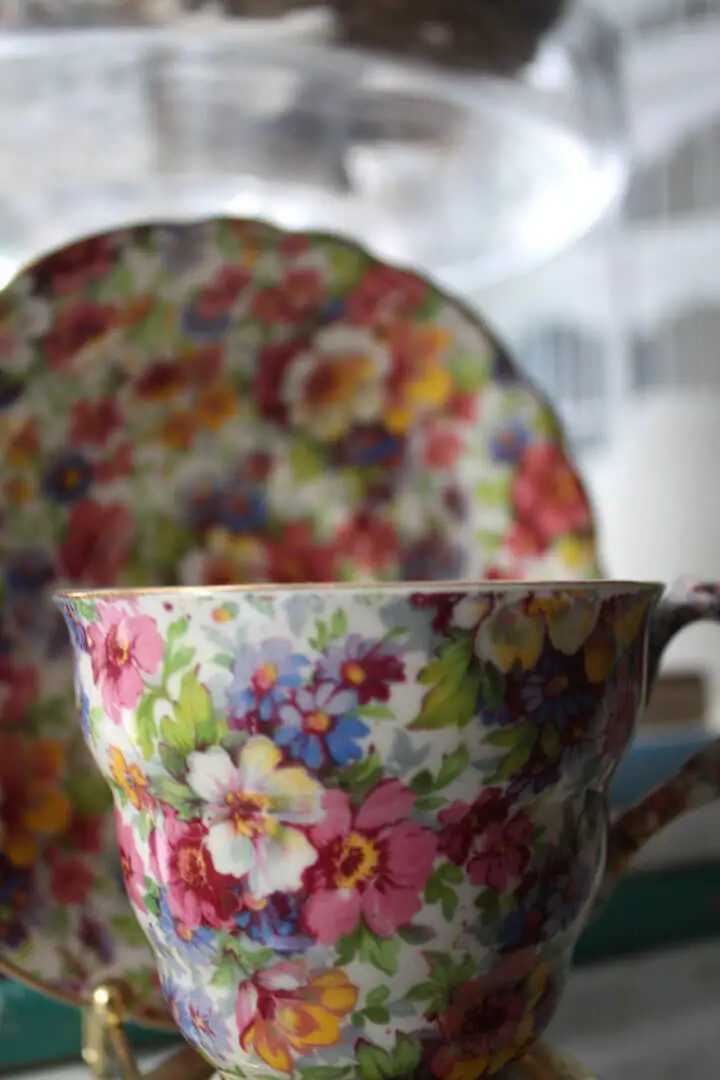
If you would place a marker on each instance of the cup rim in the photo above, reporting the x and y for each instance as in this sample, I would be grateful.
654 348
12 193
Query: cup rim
391 588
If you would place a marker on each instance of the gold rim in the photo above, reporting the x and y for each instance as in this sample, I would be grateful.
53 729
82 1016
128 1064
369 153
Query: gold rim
391 588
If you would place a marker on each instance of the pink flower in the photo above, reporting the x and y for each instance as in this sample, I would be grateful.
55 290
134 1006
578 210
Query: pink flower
373 862
197 894
122 646
133 870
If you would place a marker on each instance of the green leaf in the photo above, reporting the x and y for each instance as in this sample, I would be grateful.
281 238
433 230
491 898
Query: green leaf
374 1063
488 904
428 804
223 660
86 609
306 460
453 766
382 953
451 873
324 1072
177 629
262 604
193 722
146 725
492 684
346 947
376 711
377 996
549 740
358 779
470 371
507 737
518 754
441 966
423 782
225 975
422 992
322 636
406 1055
452 701
172 760
338 624
449 903
376 1014
128 929
416 935
173 792
176 661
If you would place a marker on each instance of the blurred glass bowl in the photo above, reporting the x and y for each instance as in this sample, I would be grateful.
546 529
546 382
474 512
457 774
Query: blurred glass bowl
470 178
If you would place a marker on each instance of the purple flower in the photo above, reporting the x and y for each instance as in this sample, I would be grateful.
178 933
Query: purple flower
263 678
198 1018
368 666
320 723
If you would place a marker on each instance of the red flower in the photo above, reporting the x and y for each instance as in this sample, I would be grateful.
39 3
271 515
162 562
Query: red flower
74 266
464 406
70 881
18 689
98 543
384 294
443 446
93 422
197 894
220 294
547 494
524 542
161 381
367 666
272 363
297 556
86 834
302 292
76 328
496 840
119 465
202 366
131 864
369 542
441 604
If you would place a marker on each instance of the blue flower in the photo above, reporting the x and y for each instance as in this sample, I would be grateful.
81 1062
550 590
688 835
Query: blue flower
68 478
555 902
193 946
276 925
30 571
510 441
204 325
199 1019
244 511
263 677
321 723
370 445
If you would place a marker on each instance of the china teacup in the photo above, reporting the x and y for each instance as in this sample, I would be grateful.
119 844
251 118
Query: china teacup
363 827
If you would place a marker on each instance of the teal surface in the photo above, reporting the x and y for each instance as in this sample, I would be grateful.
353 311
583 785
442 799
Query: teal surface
35 1030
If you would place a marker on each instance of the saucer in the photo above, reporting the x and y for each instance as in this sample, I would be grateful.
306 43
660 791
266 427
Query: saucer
223 402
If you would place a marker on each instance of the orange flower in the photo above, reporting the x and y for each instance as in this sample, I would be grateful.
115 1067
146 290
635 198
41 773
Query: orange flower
419 381
23 445
34 807
179 430
215 405
128 778
286 1012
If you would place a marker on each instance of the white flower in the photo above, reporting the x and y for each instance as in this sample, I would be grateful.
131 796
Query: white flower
250 813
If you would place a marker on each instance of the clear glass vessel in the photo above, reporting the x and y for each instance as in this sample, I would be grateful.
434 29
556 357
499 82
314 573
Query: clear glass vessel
470 177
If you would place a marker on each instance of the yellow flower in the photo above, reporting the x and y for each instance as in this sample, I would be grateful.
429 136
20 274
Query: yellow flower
570 617
631 618
34 806
600 654
510 636
286 1013
215 406
420 380
128 778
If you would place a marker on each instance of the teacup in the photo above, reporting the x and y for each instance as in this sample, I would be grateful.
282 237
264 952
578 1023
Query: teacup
363 827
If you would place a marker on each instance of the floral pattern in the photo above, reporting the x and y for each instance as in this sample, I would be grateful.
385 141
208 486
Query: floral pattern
411 905
227 402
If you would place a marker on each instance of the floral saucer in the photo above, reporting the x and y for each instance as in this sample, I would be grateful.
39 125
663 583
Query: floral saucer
224 402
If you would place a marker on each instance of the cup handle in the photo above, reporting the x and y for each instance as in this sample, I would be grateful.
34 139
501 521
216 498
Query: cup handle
697 783
106 1046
